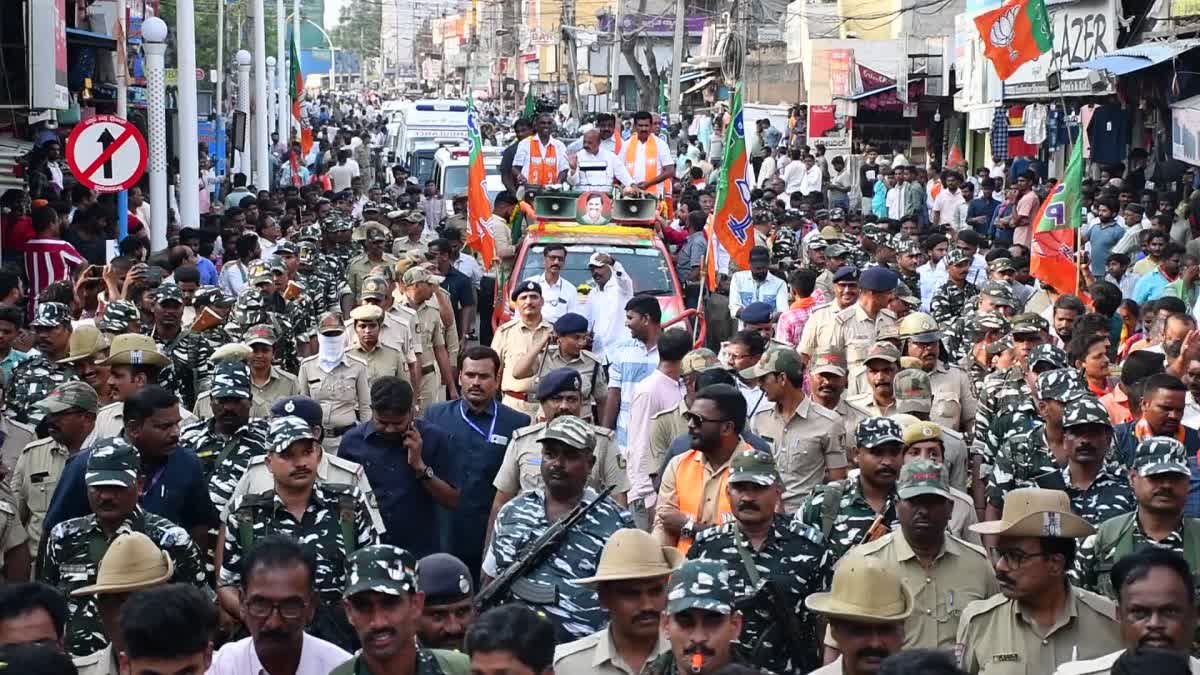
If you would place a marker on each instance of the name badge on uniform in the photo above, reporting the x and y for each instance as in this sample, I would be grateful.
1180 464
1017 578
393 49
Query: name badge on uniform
1006 658
498 439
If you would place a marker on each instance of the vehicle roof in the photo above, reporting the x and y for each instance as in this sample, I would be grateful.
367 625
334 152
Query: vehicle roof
616 235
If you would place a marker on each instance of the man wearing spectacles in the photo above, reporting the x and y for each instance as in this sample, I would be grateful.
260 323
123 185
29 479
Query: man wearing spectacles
1039 620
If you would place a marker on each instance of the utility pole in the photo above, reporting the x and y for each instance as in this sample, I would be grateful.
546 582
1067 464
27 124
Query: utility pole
614 80
567 33
283 92
677 59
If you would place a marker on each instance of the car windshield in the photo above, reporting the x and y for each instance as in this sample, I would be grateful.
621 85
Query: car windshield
422 166
644 264
454 181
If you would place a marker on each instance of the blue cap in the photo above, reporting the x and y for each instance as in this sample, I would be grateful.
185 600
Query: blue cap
571 323
529 286
443 578
757 312
301 406
557 381
846 273
879 279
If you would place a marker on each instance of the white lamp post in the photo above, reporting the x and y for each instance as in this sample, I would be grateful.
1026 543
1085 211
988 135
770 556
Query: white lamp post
272 91
283 93
262 141
154 33
246 163
189 134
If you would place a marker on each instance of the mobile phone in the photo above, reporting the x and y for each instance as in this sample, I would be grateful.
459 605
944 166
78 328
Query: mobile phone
154 274
93 272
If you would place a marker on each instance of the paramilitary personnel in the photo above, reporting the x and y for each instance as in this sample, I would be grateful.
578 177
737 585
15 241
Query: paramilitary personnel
33 378
701 621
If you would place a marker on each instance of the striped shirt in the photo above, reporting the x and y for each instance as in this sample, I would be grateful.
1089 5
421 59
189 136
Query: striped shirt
48 261
630 362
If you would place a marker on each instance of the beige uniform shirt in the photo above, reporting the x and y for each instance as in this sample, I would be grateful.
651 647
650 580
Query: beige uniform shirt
280 384
665 427
996 638
332 469
360 268
805 442
961 574
513 340
110 422
832 668
428 332
713 480
395 332
521 468
1104 665
853 332
592 374
865 403
12 532
16 437
381 361
850 417
404 245
103 662
33 481
344 394
954 403
596 655
817 330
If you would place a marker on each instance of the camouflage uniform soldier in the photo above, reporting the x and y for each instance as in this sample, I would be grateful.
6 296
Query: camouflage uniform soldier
76 546
313 282
1005 401
335 523
994 298
178 379
698 587
576 611
292 303
122 316
384 570
331 267
226 443
950 301
763 547
33 378
910 279
1087 437
207 333
914 396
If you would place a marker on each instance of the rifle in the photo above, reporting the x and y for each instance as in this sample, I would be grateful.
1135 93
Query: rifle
786 631
512 580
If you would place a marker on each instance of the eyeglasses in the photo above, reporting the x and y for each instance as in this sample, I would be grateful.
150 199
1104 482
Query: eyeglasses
693 419
1015 556
292 608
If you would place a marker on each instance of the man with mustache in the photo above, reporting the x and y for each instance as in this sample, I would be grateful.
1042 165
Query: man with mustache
701 621
866 609
944 573
172 340
1039 620
515 339
955 404
333 522
1095 491
882 363
384 605
134 363
762 544
1156 607
1160 477
563 348
818 331
88 346
449 606
559 293
631 582
1163 401
853 511
113 486
33 378
827 384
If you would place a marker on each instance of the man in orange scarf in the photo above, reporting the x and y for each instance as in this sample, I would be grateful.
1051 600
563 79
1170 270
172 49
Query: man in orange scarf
540 159
647 157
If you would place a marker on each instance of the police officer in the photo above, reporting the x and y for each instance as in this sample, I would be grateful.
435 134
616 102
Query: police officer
818 332
1097 493
33 378
1035 548
567 446
517 338
395 328
431 336
950 301
87 346
881 363
856 328
381 359
564 349
805 438
449 608
76 546
330 468
337 381
382 600
415 238
373 257
914 396
867 609
955 404
928 440
701 621
631 582
943 572
134 363
762 545
336 523
228 441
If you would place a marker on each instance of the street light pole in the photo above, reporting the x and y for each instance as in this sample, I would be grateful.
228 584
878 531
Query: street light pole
262 163
282 93
154 35
245 156
189 141
271 100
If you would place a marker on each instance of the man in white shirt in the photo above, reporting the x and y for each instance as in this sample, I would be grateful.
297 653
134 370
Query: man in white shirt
344 172
604 305
647 157
757 284
945 206
558 294
541 159
593 169
606 125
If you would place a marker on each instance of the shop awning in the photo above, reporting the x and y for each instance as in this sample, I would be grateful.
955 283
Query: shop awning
1130 59
700 85
87 38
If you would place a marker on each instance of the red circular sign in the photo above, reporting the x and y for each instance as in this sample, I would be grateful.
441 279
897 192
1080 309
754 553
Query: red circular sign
106 153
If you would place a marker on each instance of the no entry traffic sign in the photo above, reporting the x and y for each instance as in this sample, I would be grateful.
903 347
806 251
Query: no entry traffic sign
106 153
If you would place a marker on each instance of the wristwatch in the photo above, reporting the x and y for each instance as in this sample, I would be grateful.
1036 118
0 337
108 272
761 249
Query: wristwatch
689 529
427 474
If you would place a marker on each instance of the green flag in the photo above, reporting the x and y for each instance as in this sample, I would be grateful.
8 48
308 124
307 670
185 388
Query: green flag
1052 259
530 104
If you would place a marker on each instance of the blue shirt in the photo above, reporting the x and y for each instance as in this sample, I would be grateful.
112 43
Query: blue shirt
982 207
480 460
1149 287
1103 238
408 510
178 492
208 271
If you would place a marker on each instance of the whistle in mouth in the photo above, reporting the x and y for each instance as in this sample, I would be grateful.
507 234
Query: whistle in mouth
697 662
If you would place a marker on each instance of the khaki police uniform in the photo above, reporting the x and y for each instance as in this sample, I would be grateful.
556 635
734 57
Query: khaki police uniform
806 442
331 469
850 417
960 575
1104 665
16 436
279 384
381 361
592 373
521 468
513 340
395 332
995 638
852 332
110 422
403 245
449 328
344 395
103 662
954 402
33 481
867 406
665 427
429 333
818 330
360 268
597 655
954 457
12 532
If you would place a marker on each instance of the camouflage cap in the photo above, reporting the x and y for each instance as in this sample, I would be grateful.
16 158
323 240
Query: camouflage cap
1062 384
118 313
168 293
335 222
51 315
906 294
112 461
212 295
285 246
570 430
1001 265
231 379
698 360
259 273
828 362
875 431
260 334
275 264
781 360
883 351
836 251
921 477
908 246
956 257
1000 293
374 288
417 275
817 244
1029 322
910 362
1085 410
913 391
73 395
331 322
997 346
701 584
1160 454
753 466
371 206
919 327
922 430
1048 354
288 429
991 321
309 234
381 568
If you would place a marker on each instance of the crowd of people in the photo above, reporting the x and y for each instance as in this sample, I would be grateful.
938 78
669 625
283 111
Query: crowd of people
293 443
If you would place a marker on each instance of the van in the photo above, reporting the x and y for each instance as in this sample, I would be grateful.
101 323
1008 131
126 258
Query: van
450 172
425 125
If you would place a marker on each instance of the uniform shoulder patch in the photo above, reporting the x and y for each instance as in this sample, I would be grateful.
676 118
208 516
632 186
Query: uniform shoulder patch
576 646
592 355
981 607
21 425
306 359
344 464
35 445
525 431
875 545
354 359
280 373
805 531
966 544
664 413
1097 602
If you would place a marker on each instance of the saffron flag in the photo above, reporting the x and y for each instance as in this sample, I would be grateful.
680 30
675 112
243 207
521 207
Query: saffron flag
1015 33
479 210
1054 227
730 222
306 139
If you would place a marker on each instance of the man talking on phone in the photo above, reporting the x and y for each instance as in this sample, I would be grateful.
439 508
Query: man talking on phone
408 462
